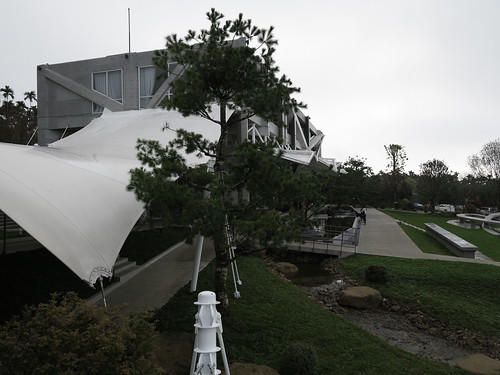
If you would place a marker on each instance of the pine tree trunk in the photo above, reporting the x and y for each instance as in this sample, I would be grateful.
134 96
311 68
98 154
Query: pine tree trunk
220 240
221 273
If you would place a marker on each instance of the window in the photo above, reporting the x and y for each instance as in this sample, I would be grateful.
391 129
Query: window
150 80
147 77
108 83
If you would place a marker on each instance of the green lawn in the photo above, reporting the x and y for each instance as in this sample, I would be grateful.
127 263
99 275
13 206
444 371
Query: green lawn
487 243
273 313
425 242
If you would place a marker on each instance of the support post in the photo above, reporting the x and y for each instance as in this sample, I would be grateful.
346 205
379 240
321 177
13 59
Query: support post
4 251
208 329
197 261
102 292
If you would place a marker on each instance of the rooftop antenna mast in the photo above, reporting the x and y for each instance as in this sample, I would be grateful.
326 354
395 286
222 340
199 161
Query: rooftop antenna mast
128 30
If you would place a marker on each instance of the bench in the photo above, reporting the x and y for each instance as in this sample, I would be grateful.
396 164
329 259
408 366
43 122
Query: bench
455 244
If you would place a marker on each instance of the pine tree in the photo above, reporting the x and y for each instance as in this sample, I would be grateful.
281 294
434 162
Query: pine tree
222 67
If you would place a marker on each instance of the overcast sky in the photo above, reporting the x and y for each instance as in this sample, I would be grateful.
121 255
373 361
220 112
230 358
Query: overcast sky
424 74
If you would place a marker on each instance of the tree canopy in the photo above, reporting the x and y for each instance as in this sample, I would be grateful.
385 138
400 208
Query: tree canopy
486 164
17 121
221 67
396 155
434 178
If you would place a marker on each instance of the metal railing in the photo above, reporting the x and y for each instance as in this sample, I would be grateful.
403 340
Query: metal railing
330 240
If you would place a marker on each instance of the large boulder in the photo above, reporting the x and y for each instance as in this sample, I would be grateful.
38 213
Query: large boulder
286 269
480 364
251 369
360 297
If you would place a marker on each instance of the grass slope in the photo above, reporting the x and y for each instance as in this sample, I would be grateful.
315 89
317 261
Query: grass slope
273 313
465 294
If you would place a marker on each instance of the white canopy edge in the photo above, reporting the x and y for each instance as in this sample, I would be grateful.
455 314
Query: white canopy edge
309 158
71 196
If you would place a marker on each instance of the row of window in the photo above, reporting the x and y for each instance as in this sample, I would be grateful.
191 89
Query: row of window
110 83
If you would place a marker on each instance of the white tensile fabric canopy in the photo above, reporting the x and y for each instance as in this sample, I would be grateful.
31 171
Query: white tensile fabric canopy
309 158
71 196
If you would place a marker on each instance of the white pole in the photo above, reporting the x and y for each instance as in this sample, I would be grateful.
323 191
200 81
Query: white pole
128 30
102 292
197 261
208 328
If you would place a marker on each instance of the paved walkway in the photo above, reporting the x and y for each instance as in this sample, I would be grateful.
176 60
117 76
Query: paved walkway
155 282
152 285
383 236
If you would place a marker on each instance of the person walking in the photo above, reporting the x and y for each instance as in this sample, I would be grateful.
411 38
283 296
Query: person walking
363 214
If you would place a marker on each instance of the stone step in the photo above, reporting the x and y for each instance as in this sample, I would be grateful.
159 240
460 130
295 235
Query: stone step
122 267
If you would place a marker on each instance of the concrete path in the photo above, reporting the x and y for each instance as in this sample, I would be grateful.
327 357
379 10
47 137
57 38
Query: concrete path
383 236
154 283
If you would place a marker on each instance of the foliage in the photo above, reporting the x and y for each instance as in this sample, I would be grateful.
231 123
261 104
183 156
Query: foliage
486 164
221 68
434 178
354 187
17 121
177 191
67 336
298 358
376 274
274 312
396 155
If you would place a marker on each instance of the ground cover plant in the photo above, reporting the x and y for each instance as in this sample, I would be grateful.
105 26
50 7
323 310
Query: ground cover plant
487 243
67 336
465 294
272 314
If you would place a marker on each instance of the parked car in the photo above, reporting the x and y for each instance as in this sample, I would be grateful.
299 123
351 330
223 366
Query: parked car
418 206
444 208
487 210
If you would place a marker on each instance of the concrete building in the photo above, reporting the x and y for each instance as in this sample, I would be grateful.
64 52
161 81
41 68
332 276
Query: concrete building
72 94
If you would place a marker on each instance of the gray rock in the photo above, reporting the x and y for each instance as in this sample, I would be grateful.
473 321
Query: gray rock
361 297
480 364
287 269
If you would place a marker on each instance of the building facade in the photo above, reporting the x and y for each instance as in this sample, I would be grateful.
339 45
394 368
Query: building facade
72 94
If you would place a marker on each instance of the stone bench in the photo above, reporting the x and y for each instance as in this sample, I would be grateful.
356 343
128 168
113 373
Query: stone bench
455 244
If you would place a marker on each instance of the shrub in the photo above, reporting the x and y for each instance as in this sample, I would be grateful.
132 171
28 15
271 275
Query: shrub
67 336
376 274
299 358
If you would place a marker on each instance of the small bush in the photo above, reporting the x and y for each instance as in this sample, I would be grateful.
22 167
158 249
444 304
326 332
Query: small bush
299 358
376 274
67 336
